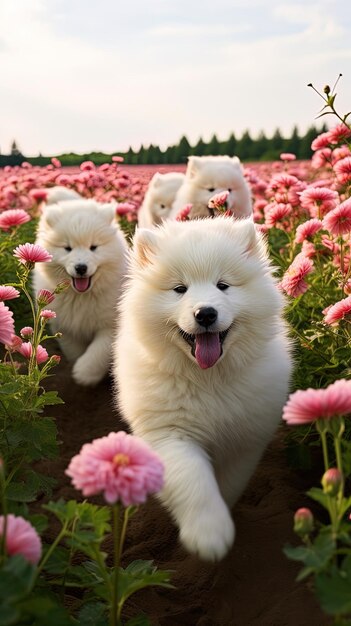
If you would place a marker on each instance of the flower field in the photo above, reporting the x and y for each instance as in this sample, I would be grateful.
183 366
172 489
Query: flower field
66 560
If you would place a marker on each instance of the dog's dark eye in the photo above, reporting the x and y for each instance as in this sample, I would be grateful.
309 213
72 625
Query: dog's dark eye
92 248
68 248
222 286
211 189
229 190
163 206
180 289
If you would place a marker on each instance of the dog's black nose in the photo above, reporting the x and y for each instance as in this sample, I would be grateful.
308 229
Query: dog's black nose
81 269
206 316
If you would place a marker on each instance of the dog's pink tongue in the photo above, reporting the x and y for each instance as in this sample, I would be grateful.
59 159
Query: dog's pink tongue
207 349
81 284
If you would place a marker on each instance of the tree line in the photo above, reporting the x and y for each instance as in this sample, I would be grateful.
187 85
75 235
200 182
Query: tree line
262 148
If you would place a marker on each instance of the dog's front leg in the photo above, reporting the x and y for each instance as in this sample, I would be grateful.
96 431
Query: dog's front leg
94 364
192 496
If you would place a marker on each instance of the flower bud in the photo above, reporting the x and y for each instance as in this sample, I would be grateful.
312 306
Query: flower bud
332 481
44 297
327 90
303 522
62 286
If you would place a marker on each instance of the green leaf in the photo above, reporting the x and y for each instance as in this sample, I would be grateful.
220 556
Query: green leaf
319 496
16 579
333 589
93 614
315 556
139 620
9 615
138 575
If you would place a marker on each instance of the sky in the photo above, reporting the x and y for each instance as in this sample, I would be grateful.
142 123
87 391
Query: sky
104 75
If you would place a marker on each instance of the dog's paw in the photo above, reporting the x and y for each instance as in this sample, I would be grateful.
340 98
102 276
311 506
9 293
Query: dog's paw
86 376
210 534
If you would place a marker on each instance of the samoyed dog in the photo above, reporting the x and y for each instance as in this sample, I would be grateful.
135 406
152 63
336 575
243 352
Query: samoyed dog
89 250
202 366
159 198
207 176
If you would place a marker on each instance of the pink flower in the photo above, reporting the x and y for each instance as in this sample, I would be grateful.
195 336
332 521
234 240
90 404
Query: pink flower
293 281
310 405
331 481
338 221
8 293
339 133
87 166
31 253
39 194
121 466
7 326
288 156
307 229
123 208
21 538
275 213
320 142
338 311
322 158
117 159
183 215
56 162
26 350
48 314
218 201
303 522
13 217
26 331
342 170
44 296
318 200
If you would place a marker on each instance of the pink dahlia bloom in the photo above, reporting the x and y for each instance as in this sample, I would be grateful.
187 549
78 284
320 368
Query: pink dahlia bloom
117 159
293 281
26 350
47 314
342 170
13 217
31 253
218 201
7 326
8 293
56 162
39 195
21 538
275 213
44 296
339 133
310 405
338 311
87 166
26 331
338 221
307 229
183 215
288 156
322 158
318 200
320 142
121 466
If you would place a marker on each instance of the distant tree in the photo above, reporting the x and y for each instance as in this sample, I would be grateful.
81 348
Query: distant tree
230 146
260 146
183 150
200 148
15 151
293 143
245 146
305 151
213 146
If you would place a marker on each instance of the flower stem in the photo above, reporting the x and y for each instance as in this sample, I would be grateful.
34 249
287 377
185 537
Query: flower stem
114 619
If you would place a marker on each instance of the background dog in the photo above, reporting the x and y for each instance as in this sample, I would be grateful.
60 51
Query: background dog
89 250
202 366
159 198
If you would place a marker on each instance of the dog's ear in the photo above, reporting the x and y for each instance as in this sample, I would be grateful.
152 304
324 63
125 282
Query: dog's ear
108 211
52 213
193 166
144 245
250 236
156 179
236 161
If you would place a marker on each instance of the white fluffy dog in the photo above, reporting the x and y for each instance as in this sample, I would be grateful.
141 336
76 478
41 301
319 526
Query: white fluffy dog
202 366
159 198
89 250
207 176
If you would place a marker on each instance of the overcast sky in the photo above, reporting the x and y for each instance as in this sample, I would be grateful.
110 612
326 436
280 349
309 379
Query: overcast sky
103 75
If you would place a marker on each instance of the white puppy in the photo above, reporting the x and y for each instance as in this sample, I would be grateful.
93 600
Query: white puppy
60 194
202 366
207 176
159 198
89 250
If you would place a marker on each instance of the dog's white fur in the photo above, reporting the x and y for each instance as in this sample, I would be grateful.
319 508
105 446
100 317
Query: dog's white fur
210 426
87 318
60 194
159 198
207 176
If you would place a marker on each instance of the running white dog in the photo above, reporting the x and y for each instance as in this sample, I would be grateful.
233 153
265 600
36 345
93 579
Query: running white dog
159 198
207 176
202 366
89 250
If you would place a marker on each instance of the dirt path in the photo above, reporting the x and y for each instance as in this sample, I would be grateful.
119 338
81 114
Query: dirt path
255 584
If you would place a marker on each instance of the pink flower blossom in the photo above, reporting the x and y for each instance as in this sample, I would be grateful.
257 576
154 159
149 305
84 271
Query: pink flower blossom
56 162
183 215
320 142
310 405
39 194
342 170
13 217
7 327
21 538
318 200
121 466
44 296
275 213
338 311
87 166
339 133
218 201
48 314
26 331
288 156
307 229
293 281
123 208
117 159
322 158
31 253
8 293
338 221
26 350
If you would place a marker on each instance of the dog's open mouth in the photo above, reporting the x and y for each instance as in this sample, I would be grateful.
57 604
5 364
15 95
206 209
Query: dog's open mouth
81 283
205 347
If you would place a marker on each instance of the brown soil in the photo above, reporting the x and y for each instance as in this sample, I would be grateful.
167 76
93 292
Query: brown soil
254 585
